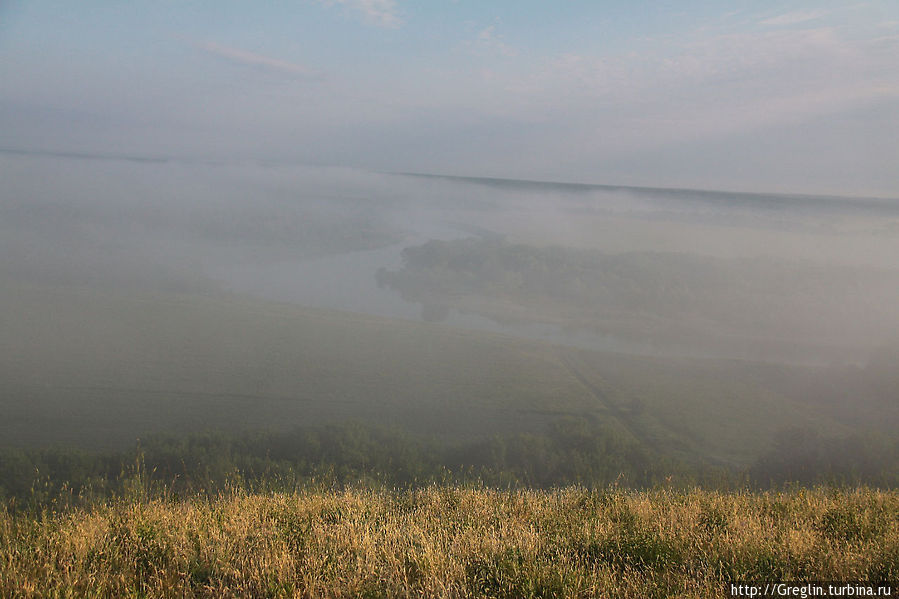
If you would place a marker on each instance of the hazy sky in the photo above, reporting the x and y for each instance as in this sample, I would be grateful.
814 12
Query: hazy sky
785 96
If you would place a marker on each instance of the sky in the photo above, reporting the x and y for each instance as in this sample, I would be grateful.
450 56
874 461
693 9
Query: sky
797 97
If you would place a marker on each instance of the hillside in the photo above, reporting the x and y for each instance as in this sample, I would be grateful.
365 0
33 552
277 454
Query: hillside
98 369
451 542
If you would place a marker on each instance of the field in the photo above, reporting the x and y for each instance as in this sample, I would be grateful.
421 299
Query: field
444 541
100 368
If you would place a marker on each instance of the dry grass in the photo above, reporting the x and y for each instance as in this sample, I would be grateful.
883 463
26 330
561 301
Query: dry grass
451 542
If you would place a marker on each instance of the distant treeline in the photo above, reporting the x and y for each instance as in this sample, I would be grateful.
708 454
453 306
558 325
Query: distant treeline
668 299
571 452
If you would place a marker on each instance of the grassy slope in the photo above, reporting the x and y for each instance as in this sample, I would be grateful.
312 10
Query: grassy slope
452 542
723 410
98 369
87 367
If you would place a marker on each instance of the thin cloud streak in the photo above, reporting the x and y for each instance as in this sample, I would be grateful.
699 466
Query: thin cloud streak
793 18
245 58
382 13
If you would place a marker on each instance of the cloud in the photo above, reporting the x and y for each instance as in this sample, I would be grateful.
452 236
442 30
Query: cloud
693 88
792 18
242 57
382 13
487 40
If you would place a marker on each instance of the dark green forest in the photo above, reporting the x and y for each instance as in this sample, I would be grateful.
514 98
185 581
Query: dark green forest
569 452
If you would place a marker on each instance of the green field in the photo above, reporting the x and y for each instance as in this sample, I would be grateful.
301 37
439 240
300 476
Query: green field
98 369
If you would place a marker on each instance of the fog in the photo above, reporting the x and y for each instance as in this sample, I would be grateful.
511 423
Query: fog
517 244
779 278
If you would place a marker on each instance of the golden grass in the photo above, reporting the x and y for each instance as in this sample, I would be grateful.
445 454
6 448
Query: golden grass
451 542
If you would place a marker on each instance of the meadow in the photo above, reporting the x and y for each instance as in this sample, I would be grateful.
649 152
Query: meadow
449 541
98 368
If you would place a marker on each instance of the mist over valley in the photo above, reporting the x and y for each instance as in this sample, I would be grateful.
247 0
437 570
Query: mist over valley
161 297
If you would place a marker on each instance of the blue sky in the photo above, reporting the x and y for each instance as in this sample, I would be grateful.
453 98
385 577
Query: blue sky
786 96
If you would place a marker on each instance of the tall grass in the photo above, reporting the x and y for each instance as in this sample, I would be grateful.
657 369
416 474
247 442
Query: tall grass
446 541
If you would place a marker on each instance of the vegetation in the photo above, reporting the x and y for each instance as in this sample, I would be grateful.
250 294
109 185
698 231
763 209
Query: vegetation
97 369
571 452
446 541
488 466
743 307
